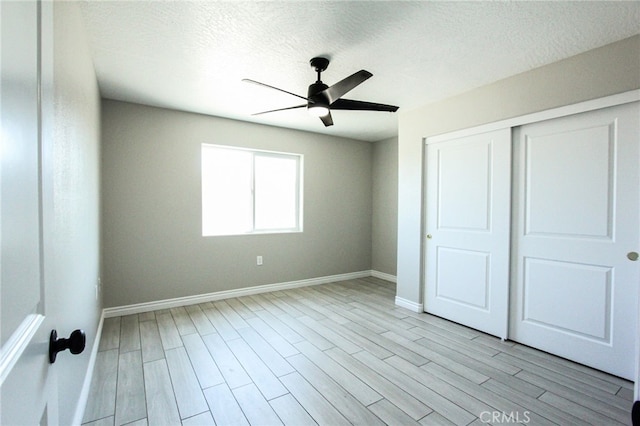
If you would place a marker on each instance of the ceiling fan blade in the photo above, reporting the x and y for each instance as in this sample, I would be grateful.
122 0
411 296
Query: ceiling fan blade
348 104
327 120
272 87
280 109
334 92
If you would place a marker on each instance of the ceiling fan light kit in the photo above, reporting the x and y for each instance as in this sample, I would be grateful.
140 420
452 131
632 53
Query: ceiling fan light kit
321 99
317 110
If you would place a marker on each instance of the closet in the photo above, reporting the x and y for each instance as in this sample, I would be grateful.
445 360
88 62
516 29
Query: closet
532 232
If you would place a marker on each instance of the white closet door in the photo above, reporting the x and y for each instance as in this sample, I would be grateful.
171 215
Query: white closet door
468 224
575 291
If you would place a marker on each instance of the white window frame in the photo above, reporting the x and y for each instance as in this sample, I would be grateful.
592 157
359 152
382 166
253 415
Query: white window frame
260 153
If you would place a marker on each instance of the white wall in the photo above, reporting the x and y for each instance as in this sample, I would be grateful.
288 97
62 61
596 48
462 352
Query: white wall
384 227
611 69
71 133
153 248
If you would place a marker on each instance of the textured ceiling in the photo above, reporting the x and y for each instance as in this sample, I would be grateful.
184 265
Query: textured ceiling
192 56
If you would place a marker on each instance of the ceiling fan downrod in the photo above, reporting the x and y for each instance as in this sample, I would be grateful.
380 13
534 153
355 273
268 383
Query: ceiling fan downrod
318 105
319 64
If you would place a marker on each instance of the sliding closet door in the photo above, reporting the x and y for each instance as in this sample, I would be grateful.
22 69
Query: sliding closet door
468 223
575 281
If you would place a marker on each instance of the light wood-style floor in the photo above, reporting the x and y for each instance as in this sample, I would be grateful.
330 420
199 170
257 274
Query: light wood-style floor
333 354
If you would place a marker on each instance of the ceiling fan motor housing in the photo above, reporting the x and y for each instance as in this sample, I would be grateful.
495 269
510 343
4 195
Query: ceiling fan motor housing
315 96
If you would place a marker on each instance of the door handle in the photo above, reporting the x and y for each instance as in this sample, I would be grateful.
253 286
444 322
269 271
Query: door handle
632 256
75 343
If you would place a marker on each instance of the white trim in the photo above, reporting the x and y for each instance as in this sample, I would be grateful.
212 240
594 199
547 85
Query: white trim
591 105
86 385
384 276
226 294
408 304
14 347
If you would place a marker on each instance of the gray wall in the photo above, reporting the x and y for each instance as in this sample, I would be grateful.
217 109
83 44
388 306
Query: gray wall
384 230
71 200
152 243
608 70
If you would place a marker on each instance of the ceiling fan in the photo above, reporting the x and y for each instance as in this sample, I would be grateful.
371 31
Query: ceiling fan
321 99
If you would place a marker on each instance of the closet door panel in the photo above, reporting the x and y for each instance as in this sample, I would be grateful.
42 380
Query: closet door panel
574 292
578 162
467 241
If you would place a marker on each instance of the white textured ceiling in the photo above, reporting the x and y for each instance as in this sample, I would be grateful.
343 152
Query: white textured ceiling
192 55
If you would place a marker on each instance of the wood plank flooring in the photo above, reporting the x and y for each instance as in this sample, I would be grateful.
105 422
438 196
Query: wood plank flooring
334 354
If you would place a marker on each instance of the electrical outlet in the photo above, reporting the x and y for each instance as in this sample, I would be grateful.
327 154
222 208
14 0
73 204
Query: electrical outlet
259 260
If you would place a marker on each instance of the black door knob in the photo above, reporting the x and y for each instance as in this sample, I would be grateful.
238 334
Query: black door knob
75 343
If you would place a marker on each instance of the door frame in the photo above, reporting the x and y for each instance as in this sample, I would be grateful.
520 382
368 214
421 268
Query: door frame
562 111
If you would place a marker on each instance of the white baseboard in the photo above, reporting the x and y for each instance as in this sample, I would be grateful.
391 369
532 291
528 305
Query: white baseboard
384 276
86 385
412 306
227 294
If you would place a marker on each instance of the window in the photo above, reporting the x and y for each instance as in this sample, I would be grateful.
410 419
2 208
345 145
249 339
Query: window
246 191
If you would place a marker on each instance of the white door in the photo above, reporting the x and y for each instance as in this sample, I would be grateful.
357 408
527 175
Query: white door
27 383
575 292
468 224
